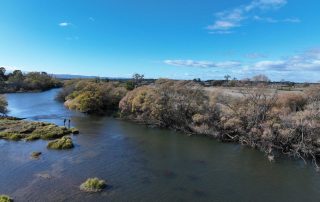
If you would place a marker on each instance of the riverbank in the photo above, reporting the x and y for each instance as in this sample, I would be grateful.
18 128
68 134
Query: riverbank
286 122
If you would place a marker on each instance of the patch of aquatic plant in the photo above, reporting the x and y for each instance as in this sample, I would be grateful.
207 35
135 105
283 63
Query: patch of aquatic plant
11 136
5 198
16 129
93 185
62 143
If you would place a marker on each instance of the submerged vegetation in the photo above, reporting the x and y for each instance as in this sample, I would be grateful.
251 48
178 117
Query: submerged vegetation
17 81
35 155
93 185
5 198
16 129
60 144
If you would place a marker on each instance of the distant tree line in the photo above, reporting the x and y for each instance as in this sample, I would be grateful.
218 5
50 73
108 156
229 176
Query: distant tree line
17 81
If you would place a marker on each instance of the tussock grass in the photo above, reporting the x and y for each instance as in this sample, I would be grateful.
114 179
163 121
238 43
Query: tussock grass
93 185
60 144
5 198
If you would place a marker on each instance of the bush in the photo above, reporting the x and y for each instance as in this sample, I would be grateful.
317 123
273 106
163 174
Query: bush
93 97
293 102
93 185
171 104
63 143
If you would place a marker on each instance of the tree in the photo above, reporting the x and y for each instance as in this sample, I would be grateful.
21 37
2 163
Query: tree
137 79
260 78
2 73
16 79
2 78
3 105
227 77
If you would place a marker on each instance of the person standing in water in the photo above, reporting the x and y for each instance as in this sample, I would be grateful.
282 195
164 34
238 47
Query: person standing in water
64 122
69 123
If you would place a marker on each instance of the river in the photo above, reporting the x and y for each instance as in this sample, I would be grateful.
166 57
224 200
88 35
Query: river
141 163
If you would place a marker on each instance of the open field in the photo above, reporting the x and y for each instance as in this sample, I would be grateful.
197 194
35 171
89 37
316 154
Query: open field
239 91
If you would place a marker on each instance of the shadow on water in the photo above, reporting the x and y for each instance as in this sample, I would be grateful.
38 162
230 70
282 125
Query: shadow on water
142 164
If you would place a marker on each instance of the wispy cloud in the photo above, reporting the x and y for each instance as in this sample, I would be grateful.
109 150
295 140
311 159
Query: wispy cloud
273 20
64 24
229 19
202 64
255 55
306 61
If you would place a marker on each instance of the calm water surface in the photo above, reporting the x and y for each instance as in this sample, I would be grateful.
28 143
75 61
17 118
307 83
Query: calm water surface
142 164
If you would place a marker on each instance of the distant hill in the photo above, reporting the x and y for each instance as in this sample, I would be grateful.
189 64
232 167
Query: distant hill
72 76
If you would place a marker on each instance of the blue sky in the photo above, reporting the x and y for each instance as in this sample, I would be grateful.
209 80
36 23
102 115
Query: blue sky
168 38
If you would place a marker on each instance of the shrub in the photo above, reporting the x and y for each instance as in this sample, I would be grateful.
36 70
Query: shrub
171 104
293 102
93 97
93 185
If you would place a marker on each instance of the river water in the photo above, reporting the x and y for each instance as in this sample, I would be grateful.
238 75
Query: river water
142 164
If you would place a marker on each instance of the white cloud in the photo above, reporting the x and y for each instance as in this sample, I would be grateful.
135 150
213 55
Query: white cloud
306 61
64 24
229 19
255 55
202 64
304 66
272 20
265 4
292 20
222 25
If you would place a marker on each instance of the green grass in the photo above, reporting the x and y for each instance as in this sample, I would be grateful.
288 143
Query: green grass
5 198
62 143
93 185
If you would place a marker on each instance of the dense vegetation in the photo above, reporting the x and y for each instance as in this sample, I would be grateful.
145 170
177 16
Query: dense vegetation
20 82
288 123
92 96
